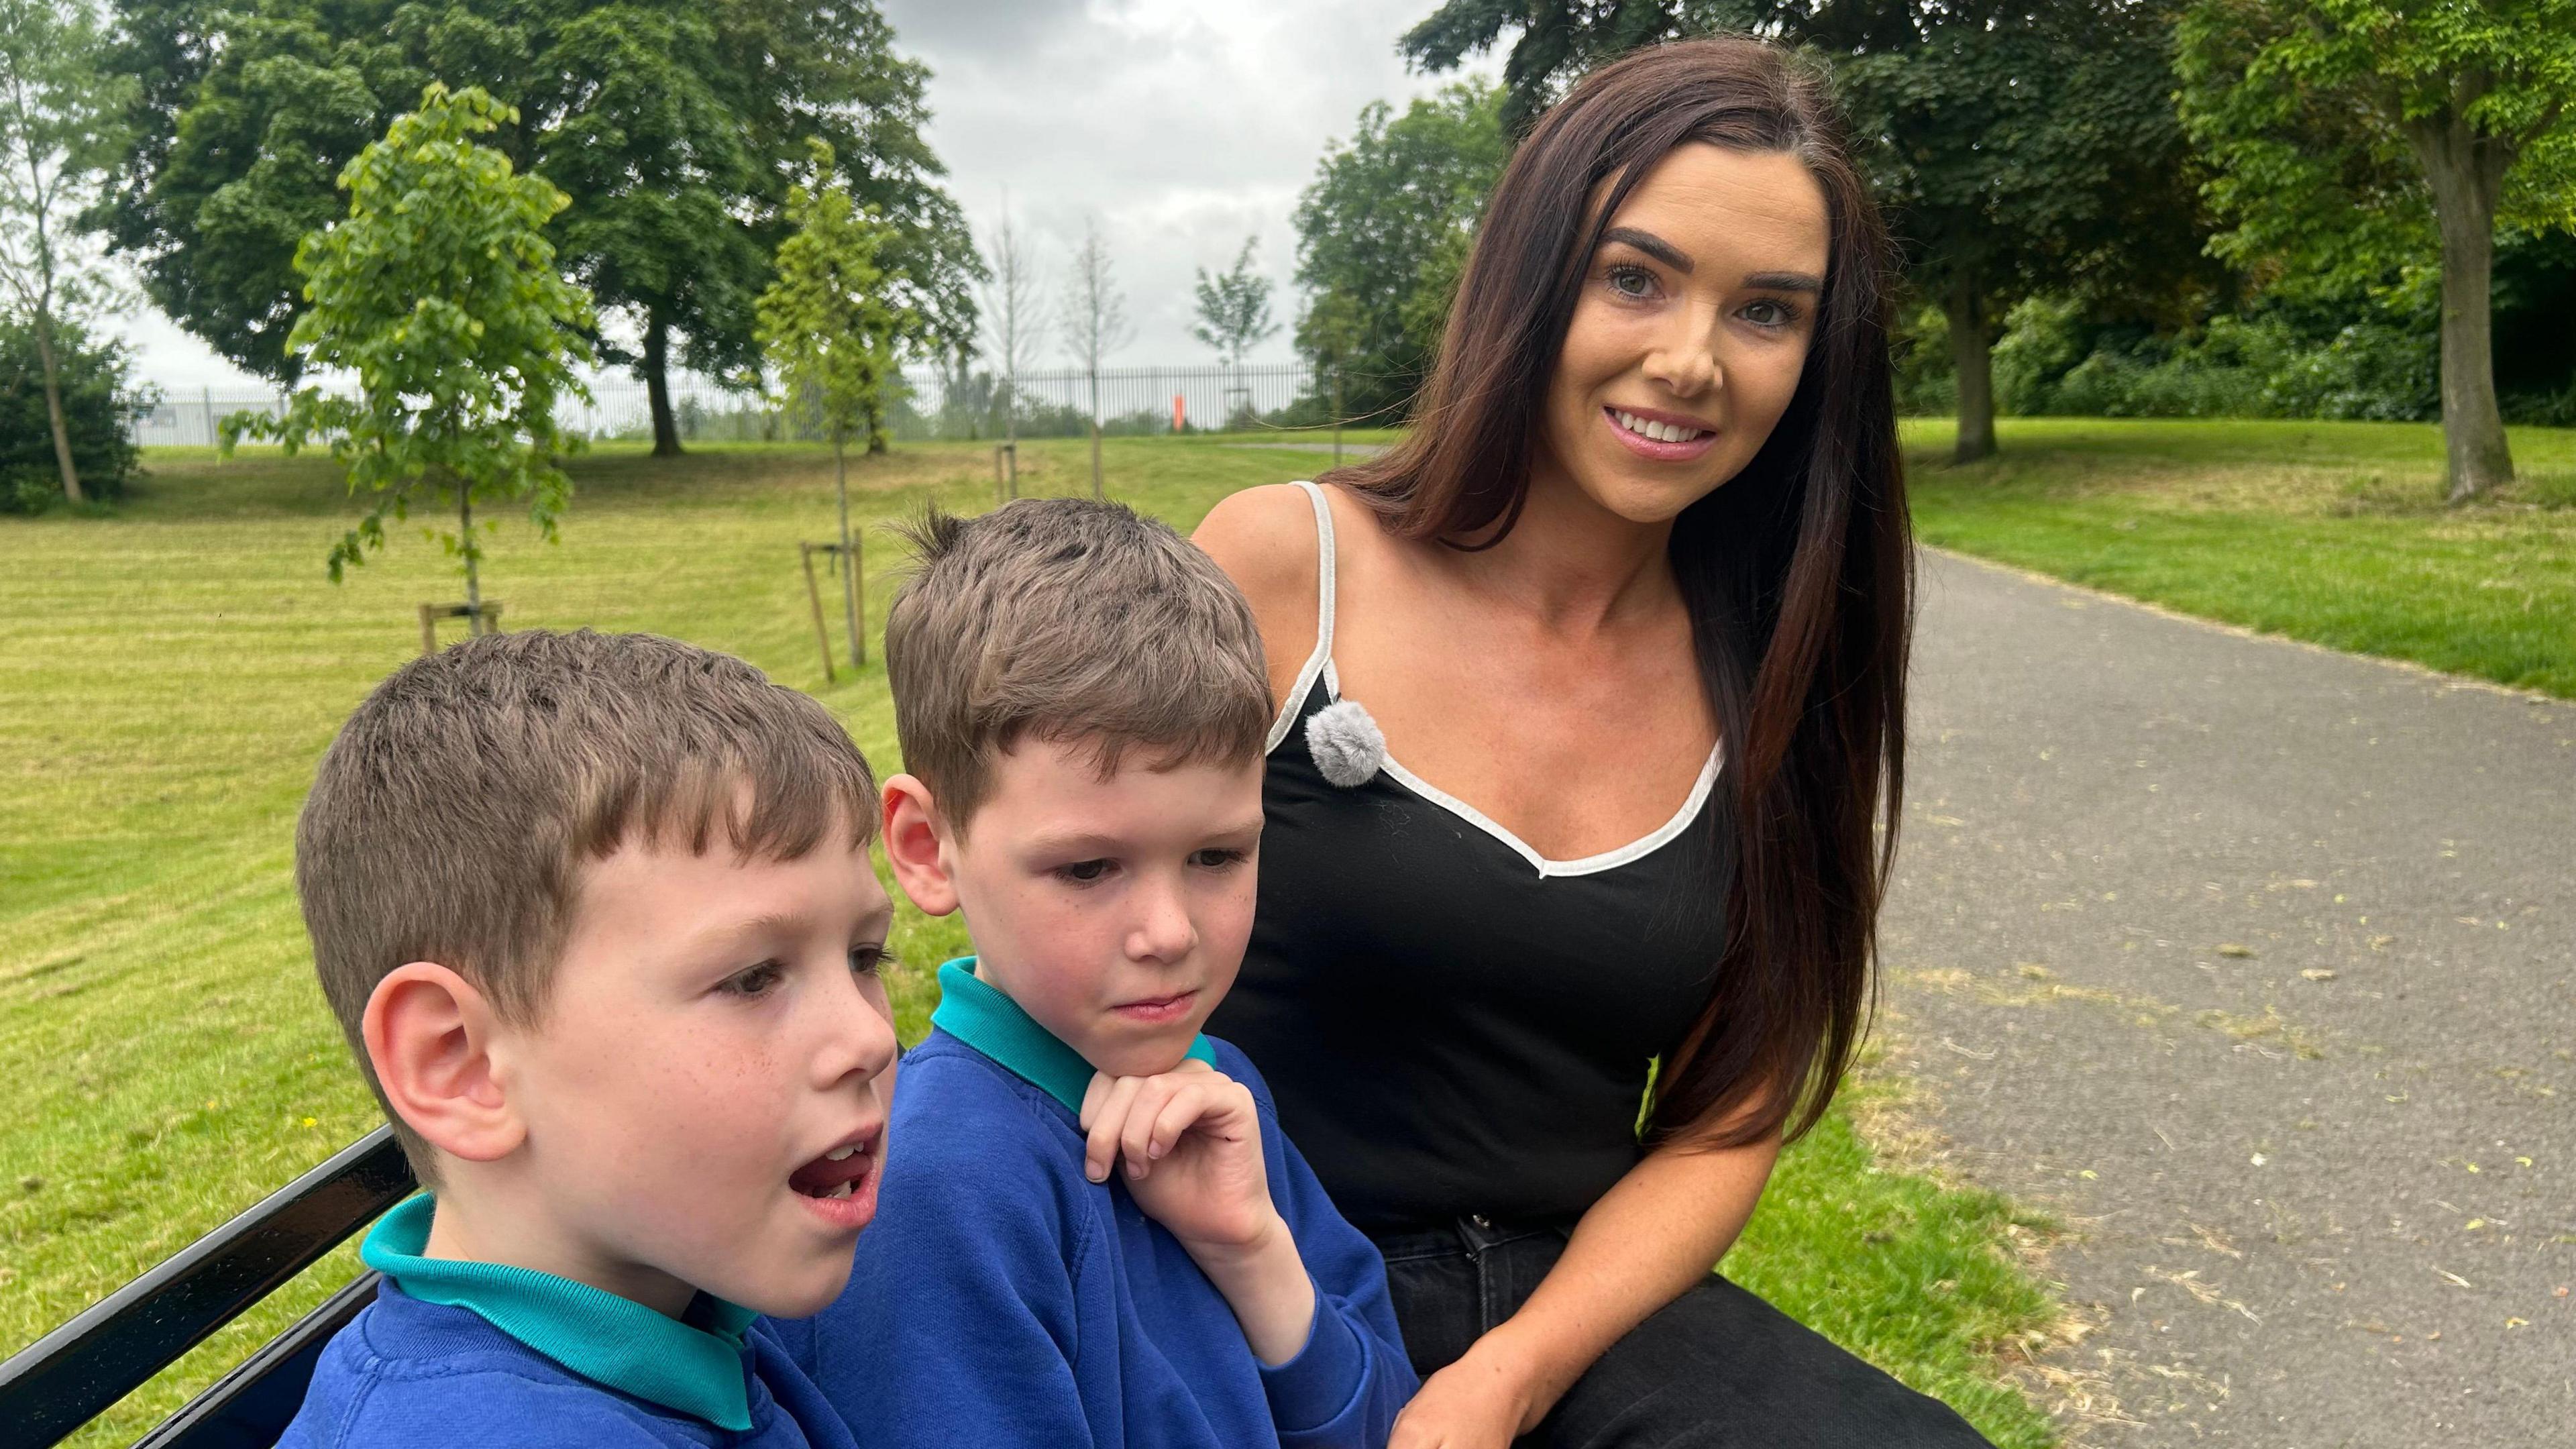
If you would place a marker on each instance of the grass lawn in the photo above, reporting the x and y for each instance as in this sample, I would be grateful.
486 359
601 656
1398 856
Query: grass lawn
169 674
2330 532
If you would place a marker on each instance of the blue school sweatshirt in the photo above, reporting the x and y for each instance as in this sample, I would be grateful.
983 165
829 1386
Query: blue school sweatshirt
457 1353
1000 1299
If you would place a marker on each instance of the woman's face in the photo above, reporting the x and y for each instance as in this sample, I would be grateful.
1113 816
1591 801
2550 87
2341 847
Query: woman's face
1690 330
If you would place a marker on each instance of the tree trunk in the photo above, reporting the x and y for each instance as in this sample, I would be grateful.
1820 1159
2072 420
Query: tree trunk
1011 432
1337 415
657 385
465 538
54 408
849 552
2466 171
1098 489
1972 362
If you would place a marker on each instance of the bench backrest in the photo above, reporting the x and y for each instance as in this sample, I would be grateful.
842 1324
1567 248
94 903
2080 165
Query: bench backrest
71 1375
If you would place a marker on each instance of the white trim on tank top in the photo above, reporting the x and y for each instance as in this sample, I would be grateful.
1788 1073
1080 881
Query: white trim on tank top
1320 665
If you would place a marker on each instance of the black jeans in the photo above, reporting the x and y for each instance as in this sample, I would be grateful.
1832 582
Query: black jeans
1717 1366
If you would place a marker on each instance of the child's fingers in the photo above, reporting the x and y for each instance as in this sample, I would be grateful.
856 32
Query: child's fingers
1108 1123
1186 1109
1155 1101
1092 1096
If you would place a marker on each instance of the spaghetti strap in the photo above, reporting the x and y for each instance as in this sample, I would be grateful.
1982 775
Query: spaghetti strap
1320 662
1324 562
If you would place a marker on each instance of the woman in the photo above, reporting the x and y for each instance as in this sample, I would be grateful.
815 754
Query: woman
1637 584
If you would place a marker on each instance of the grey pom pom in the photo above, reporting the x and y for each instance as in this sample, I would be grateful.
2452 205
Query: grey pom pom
1346 743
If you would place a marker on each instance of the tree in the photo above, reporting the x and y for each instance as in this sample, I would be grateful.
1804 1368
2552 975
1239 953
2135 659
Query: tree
830 334
441 295
2354 138
99 404
2028 150
58 113
1014 315
673 125
2018 145
1095 325
1383 233
1331 329
1234 312
658 162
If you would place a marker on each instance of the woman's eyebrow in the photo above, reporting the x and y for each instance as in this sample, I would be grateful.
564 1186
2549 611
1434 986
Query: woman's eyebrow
1652 245
1675 258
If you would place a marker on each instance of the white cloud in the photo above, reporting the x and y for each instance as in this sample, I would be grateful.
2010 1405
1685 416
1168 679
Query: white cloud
1183 126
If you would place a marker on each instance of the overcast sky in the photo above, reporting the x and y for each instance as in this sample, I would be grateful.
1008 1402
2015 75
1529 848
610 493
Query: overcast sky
1182 126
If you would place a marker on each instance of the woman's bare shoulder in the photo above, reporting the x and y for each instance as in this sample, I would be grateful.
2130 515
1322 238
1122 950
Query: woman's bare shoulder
1264 539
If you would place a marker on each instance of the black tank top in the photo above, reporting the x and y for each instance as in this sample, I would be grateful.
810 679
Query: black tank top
1452 1024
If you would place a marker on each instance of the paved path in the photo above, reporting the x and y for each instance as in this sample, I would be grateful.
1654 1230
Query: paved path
2254 962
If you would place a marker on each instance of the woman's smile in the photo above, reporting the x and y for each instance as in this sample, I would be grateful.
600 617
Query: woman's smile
1660 436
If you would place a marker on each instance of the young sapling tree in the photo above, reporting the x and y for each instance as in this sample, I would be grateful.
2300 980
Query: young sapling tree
439 296
1014 321
1095 325
829 334
1331 331
1234 314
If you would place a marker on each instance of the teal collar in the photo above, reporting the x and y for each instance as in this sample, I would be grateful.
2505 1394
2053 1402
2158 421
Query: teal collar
975 1012
694 1367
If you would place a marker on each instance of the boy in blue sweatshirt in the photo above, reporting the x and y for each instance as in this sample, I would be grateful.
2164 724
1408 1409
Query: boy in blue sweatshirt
1094 1233
597 916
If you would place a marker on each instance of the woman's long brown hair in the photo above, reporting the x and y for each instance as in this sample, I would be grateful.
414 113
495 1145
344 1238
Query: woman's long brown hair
1798 573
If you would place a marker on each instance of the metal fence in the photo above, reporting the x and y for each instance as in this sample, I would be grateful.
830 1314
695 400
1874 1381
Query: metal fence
186 417
1060 402
190 417
931 404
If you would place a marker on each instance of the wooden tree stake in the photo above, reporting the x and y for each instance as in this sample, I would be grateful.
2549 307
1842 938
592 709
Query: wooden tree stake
814 596
480 618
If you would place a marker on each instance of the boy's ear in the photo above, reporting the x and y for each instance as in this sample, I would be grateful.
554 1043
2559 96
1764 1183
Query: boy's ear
914 848
429 1036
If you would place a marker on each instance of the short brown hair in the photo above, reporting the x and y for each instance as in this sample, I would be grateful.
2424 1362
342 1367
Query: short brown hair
451 818
1068 620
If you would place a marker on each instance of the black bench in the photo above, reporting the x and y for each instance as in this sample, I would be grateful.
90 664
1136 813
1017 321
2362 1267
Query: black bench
73 1374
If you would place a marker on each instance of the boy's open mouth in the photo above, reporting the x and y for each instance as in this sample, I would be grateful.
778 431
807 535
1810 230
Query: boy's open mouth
837 1173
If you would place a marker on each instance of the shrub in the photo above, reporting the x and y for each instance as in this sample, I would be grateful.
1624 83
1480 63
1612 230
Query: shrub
1925 385
2374 369
2051 361
100 404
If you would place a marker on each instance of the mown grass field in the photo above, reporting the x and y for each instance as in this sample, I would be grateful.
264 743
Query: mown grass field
2330 532
170 672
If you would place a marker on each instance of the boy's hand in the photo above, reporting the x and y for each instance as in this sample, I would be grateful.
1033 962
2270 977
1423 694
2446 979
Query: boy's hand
1189 1144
